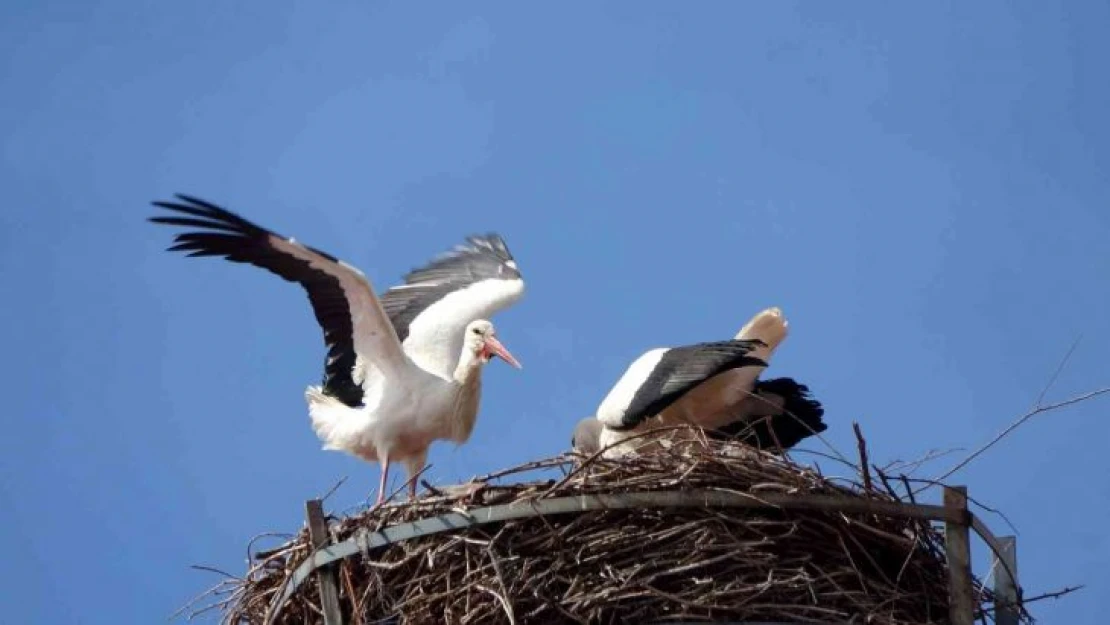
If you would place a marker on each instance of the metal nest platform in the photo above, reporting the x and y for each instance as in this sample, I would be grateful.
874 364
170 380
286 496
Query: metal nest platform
703 532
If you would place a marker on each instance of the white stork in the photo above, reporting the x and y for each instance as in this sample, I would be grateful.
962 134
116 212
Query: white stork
400 373
714 386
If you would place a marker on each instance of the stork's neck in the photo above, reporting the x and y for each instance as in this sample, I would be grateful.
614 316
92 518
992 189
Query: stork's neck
468 392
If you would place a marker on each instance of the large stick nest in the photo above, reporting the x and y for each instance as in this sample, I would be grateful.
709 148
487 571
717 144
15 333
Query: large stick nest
697 564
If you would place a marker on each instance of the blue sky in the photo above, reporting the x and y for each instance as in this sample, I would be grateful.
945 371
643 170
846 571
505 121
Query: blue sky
923 190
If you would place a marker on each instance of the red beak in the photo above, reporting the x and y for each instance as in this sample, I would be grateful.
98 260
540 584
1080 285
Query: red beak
497 349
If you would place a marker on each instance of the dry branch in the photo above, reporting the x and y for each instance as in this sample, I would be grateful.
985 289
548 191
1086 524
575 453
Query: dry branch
1036 410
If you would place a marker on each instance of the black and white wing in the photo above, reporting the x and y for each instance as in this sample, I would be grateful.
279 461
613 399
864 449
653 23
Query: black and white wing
356 329
661 376
432 308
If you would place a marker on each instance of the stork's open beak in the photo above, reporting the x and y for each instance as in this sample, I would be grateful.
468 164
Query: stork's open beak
497 349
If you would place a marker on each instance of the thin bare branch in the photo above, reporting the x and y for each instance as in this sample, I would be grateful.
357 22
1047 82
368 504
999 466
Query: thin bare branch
332 490
1056 374
864 464
1016 424
1054 595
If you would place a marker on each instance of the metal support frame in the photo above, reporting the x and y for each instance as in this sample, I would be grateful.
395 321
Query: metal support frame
328 581
957 546
1007 594
958 520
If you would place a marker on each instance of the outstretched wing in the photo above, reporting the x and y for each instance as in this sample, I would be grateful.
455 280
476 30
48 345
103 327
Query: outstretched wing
432 308
356 329
661 376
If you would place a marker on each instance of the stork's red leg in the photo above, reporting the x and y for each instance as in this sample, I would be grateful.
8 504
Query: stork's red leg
382 480
413 466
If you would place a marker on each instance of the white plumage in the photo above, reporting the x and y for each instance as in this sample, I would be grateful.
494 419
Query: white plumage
382 400
714 386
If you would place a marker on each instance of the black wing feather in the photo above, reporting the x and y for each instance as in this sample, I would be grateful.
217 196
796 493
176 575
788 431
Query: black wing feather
683 368
238 240
800 418
483 257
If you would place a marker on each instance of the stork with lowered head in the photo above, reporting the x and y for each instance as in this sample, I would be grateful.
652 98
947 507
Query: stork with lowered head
714 386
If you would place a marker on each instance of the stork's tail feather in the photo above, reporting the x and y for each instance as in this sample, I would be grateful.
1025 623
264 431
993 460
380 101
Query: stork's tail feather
327 415
769 326
800 417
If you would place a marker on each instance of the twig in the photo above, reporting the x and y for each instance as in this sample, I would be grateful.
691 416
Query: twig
431 489
509 612
865 469
909 466
268 552
332 490
213 591
1055 595
909 491
1056 373
201 567
930 483
1025 417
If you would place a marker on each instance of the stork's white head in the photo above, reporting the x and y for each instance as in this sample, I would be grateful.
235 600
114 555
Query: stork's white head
481 340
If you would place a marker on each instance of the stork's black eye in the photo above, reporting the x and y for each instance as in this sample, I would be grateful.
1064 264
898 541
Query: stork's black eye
477 330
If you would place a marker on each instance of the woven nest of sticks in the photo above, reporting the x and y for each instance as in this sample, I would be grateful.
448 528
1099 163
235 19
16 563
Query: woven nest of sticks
633 565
